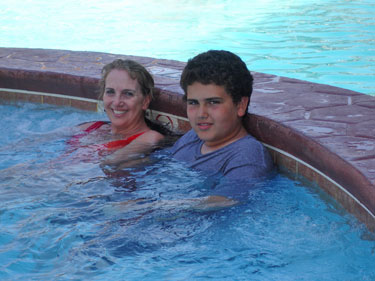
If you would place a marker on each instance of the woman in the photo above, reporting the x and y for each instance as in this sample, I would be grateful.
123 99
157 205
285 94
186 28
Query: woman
126 89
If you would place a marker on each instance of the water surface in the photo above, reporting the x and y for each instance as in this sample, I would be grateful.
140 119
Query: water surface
324 41
67 220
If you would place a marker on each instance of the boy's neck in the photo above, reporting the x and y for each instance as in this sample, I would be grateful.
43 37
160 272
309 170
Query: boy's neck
208 147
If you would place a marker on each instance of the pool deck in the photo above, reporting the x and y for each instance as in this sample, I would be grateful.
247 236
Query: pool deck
331 131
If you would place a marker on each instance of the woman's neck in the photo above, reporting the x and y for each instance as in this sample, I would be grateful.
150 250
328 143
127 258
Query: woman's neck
130 130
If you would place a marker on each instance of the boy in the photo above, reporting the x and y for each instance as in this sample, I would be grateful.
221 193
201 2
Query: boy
218 86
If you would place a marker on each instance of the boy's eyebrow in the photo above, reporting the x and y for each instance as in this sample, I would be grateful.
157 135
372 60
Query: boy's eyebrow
207 99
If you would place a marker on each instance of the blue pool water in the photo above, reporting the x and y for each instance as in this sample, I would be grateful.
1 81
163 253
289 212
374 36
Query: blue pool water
63 220
324 41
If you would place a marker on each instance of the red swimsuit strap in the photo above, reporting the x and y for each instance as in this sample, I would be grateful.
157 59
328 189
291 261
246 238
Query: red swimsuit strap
95 126
74 140
121 143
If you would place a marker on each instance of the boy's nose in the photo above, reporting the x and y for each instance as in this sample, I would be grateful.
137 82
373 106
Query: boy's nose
202 113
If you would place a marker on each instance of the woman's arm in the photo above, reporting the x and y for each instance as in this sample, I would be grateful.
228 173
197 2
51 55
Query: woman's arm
133 153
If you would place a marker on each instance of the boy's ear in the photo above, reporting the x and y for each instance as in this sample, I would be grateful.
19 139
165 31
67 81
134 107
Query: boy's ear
242 106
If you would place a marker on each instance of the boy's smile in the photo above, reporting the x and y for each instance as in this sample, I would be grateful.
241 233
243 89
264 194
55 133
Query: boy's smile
214 116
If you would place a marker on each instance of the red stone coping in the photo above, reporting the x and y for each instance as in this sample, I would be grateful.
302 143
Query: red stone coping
316 132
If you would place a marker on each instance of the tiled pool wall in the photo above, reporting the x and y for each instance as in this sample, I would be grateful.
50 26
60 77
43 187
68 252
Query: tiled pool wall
316 133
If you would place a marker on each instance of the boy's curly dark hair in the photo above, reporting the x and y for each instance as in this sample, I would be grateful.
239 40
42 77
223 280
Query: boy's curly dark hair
222 68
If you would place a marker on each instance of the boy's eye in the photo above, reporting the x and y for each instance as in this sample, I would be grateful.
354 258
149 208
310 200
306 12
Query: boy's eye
192 102
214 102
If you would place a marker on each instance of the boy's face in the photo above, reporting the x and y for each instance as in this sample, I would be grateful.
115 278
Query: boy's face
213 115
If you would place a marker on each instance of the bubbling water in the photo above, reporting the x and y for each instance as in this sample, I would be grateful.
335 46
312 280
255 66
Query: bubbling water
78 221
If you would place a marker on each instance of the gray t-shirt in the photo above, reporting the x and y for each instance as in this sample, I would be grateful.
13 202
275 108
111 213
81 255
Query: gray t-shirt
244 158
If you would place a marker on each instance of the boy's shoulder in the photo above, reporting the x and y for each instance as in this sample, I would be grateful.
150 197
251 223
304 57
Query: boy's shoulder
248 150
188 137
248 158
188 140
245 144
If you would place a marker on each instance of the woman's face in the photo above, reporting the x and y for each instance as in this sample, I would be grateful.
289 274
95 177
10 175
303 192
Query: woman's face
123 100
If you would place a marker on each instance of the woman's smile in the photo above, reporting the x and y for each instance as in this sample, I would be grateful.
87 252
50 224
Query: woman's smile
123 101
118 113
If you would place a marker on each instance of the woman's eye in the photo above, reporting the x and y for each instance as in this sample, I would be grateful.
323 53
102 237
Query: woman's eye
109 91
128 94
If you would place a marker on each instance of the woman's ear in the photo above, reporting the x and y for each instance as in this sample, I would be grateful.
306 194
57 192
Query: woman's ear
242 106
146 102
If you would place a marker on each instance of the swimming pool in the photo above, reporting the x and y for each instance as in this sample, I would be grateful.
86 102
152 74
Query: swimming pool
326 41
66 223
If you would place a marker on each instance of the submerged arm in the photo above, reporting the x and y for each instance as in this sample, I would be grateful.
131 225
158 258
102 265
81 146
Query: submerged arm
214 202
207 203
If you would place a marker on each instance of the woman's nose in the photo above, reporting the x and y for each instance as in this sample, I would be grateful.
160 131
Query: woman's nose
117 99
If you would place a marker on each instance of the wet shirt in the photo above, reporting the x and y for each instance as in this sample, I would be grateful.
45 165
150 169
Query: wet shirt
245 158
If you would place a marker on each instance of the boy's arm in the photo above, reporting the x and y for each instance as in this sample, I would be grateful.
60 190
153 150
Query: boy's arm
207 203
214 202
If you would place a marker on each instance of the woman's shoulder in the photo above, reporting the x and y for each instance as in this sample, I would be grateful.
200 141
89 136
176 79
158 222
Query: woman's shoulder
151 136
